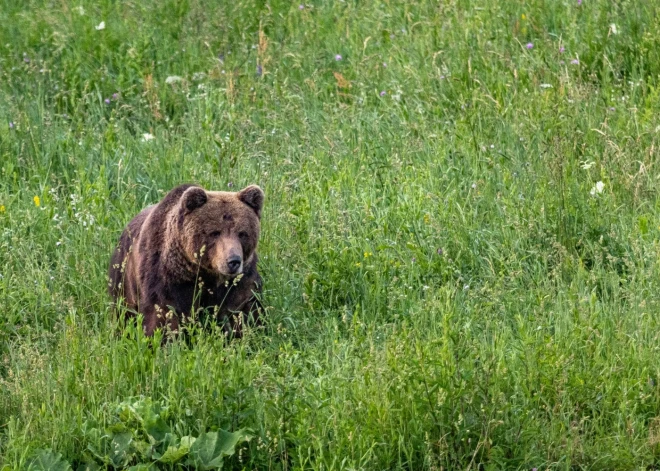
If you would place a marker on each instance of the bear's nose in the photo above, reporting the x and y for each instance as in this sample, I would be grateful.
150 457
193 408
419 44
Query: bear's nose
233 263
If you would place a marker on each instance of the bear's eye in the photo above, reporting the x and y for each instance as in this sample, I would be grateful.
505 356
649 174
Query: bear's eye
214 234
242 234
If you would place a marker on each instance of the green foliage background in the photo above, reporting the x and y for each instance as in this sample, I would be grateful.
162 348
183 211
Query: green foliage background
444 290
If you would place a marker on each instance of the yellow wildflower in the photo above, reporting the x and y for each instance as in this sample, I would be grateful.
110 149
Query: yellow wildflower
367 254
2 208
427 219
523 16
37 201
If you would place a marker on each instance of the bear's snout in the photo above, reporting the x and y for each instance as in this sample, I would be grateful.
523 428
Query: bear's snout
227 257
234 263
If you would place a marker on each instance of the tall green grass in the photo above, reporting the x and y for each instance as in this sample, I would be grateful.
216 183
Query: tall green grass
446 286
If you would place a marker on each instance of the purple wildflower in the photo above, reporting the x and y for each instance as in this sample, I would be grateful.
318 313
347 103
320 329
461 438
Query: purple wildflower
575 62
612 108
579 2
11 125
107 101
338 57
115 96
562 49
301 7
414 259
26 60
260 70
382 93
529 45
440 251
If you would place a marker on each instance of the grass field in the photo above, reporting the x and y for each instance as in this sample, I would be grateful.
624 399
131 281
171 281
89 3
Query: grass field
460 242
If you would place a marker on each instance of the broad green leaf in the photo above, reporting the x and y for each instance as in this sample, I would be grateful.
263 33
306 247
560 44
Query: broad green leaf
120 449
143 467
48 460
175 453
209 450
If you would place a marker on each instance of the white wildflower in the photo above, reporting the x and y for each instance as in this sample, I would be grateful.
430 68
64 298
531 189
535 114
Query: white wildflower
173 79
100 26
147 137
597 189
587 164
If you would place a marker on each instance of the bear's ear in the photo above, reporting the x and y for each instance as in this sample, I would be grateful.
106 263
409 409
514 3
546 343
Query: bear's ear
253 196
193 198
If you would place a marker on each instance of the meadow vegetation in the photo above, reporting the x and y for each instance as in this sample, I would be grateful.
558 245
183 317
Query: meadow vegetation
460 242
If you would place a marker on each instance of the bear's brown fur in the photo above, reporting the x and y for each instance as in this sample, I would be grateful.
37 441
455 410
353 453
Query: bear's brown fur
195 249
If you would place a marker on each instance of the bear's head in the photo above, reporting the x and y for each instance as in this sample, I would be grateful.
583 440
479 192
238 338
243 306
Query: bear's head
221 226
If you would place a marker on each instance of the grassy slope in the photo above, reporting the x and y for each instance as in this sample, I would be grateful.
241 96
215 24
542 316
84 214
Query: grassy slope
444 290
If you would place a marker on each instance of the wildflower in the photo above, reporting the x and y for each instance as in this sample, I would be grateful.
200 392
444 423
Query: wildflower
597 189
173 79
466 287
546 85
440 251
11 125
613 29
367 254
530 45
230 184
2 208
260 70
579 2
562 49
586 165
338 57
382 93
100 26
115 96
26 60
147 137
301 7
384 64
106 101
474 186
427 219
37 201
575 62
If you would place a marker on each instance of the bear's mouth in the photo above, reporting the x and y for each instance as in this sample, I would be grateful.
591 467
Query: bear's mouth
224 273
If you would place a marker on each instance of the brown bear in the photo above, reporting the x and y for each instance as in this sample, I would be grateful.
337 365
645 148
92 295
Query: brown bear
195 249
